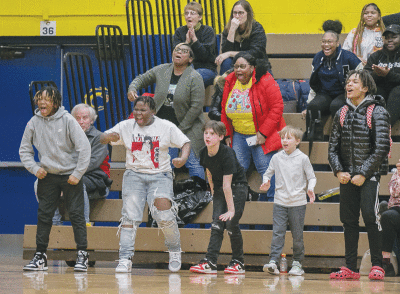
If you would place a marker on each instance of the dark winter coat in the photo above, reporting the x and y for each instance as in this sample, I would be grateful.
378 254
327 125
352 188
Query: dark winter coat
357 149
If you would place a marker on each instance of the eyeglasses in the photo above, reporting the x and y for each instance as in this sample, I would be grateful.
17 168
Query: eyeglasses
240 13
182 50
328 42
190 12
242 66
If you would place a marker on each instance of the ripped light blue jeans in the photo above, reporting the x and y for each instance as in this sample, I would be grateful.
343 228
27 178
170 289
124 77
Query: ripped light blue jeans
137 188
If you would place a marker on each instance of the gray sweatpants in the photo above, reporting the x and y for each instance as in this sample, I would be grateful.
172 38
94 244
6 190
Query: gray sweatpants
282 216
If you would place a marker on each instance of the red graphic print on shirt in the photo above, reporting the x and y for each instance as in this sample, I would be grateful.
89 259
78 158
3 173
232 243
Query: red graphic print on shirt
145 151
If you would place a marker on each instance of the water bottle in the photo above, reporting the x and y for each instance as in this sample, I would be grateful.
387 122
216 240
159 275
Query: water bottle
283 264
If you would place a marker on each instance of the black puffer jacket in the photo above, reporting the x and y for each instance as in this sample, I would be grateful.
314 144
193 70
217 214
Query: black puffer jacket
357 149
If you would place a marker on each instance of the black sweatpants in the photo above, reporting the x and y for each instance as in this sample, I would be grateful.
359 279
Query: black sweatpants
352 199
48 192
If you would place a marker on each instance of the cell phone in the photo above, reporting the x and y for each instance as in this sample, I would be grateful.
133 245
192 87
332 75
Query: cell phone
252 141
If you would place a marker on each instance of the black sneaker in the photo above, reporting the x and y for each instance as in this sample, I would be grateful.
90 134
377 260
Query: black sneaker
38 263
81 264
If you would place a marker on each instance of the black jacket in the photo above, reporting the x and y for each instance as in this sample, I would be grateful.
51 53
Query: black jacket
383 58
204 49
357 149
256 44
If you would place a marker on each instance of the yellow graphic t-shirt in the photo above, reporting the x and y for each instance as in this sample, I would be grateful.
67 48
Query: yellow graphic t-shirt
238 108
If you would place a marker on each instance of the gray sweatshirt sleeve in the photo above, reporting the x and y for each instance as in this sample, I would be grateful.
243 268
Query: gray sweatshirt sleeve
270 171
308 169
26 152
82 147
98 154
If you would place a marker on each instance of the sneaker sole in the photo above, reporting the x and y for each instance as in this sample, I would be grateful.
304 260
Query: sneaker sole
35 269
174 270
234 272
122 272
203 272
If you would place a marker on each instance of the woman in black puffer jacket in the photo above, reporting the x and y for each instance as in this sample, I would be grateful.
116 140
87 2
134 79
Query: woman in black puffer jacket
358 150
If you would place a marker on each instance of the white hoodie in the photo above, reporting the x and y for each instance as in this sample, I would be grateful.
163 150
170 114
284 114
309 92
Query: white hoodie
62 145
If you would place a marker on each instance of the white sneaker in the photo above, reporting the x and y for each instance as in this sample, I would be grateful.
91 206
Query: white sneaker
175 261
124 266
296 269
271 268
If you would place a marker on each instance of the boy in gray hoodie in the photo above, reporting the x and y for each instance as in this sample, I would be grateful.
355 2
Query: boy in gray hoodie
64 155
292 169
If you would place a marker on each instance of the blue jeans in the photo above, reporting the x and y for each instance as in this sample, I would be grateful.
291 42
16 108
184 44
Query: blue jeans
226 65
137 188
193 163
246 153
208 76
282 216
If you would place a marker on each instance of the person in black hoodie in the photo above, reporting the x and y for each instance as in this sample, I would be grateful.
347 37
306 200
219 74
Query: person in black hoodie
358 155
384 66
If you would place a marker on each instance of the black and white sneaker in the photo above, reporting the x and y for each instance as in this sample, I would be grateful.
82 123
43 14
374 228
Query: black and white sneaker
38 263
81 264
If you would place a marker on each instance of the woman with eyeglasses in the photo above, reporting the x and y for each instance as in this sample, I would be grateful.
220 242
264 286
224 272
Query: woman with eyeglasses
242 33
367 37
179 98
329 69
252 109
201 39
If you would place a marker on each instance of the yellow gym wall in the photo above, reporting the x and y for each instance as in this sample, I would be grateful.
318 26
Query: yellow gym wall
80 17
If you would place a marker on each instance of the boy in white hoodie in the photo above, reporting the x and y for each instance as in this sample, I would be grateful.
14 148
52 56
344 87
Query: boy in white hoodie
292 169
64 155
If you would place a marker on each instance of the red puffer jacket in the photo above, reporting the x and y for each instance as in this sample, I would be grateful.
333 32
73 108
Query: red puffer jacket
267 107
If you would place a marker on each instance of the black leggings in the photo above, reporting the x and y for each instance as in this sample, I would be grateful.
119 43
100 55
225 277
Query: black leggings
324 103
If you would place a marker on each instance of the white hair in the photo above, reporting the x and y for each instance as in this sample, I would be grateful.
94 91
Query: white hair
92 111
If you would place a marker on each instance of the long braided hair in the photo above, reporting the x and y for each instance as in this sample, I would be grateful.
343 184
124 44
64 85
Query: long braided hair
357 40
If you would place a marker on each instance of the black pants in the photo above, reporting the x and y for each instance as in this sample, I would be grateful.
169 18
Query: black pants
352 199
48 192
325 104
390 228
232 226
392 97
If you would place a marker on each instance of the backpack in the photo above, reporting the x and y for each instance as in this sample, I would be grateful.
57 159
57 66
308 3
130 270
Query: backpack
370 109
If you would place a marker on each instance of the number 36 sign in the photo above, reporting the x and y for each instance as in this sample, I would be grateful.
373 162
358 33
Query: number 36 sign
47 28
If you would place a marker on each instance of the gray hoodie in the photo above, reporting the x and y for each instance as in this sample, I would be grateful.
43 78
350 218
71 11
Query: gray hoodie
62 145
292 172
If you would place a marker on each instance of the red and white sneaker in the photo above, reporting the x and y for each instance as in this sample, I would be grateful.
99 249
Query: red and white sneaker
204 267
235 267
